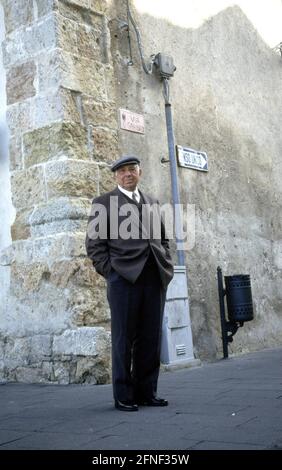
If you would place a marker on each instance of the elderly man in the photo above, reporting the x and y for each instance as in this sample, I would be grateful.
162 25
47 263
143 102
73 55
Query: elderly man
133 255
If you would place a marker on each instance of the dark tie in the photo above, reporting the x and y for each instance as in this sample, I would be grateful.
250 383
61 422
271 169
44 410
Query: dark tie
134 197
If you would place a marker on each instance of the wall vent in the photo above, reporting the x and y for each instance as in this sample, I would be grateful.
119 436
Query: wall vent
180 349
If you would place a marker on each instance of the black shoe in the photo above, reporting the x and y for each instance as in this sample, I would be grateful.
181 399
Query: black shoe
126 405
154 401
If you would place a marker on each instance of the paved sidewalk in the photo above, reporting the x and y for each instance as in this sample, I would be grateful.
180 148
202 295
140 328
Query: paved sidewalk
230 404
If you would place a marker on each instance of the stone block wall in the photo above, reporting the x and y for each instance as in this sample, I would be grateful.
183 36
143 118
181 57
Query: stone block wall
54 324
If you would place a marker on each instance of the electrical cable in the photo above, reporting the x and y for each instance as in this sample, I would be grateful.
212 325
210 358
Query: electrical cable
130 62
278 48
146 69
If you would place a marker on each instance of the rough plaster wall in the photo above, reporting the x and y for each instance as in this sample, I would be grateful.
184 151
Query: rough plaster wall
226 97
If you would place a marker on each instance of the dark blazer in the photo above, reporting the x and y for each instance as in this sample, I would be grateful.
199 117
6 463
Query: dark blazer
108 250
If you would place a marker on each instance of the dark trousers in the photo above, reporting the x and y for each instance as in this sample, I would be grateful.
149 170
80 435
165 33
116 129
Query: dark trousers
136 323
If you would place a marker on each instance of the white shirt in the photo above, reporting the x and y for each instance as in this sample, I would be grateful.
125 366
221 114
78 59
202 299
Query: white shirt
130 193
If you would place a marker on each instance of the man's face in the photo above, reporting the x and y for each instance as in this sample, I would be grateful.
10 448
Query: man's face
128 176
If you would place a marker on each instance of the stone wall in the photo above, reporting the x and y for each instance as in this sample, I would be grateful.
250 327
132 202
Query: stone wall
63 133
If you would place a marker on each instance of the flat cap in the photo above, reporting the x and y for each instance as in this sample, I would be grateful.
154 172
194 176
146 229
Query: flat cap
125 160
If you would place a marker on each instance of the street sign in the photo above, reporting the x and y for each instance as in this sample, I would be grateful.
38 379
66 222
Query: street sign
132 121
189 158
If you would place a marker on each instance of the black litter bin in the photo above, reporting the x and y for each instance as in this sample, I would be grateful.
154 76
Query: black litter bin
239 298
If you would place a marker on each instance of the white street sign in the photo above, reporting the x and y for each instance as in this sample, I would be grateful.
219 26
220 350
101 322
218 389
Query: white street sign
189 158
132 121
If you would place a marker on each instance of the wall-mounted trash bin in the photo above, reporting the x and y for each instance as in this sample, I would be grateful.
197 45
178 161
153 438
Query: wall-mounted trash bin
239 298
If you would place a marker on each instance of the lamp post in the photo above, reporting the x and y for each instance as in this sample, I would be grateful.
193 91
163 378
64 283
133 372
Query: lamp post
177 342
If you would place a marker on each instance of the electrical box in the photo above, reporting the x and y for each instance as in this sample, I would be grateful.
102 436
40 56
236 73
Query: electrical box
165 65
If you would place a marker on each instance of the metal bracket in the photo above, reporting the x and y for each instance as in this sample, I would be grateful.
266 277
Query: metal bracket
232 328
123 25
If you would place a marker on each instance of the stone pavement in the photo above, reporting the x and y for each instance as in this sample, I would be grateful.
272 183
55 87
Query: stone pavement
226 405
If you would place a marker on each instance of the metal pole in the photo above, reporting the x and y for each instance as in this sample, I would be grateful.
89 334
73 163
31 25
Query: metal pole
173 174
221 294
